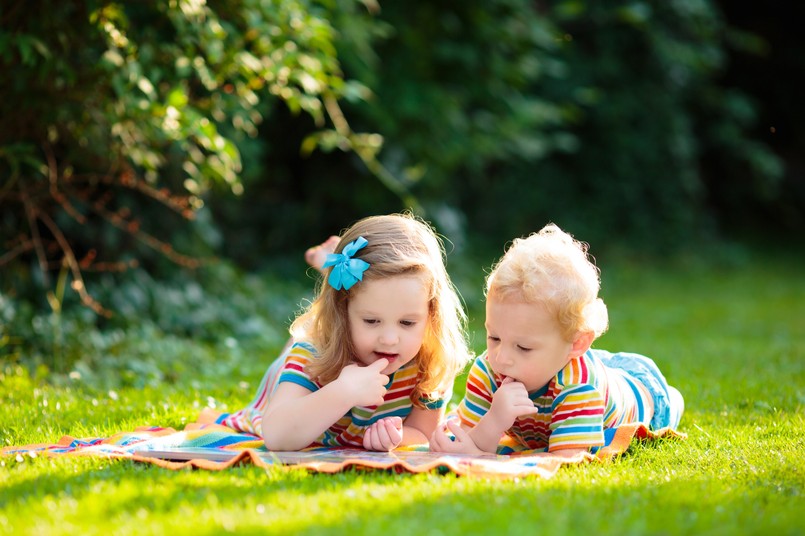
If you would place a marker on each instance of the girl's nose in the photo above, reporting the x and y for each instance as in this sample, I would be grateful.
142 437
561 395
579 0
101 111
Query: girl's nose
389 337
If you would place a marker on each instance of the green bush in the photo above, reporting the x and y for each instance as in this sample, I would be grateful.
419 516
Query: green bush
125 119
208 324
121 112
610 119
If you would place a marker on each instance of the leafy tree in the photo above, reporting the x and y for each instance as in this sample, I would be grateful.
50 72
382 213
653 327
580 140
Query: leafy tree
609 118
114 105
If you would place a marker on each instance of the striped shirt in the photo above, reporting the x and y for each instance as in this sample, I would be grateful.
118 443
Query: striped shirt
585 398
348 431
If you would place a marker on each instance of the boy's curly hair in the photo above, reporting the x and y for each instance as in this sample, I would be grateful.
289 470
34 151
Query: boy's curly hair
552 268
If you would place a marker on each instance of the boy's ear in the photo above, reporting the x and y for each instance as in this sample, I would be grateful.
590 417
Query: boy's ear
581 343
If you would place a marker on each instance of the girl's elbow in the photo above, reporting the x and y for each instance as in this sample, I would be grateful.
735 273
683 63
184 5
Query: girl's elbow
272 436
274 439
270 441
274 442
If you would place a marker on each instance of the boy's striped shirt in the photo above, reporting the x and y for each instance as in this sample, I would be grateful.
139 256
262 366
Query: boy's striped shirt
573 409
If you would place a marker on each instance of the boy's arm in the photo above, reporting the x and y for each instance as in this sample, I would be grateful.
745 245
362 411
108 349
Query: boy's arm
487 433
509 402
461 443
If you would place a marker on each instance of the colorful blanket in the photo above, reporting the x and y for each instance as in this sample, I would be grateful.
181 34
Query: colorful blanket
215 447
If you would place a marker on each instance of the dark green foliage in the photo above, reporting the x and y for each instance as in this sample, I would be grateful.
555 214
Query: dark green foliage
217 316
591 114
610 119
122 111
624 122
766 53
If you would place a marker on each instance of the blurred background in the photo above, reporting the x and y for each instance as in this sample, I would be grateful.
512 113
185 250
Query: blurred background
164 165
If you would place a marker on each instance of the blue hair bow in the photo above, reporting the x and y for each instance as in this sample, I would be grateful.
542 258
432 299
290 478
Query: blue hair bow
346 270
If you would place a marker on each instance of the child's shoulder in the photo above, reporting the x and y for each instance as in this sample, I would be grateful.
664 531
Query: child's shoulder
579 371
481 363
301 351
303 346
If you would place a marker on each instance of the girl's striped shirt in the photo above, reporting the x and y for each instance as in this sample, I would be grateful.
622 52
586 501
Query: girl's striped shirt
585 398
348 431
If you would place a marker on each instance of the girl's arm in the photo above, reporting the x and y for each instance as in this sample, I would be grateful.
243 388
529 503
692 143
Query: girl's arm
420 424
295 417
389 433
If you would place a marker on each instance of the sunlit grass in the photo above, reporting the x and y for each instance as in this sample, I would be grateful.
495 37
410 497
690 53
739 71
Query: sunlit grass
731 338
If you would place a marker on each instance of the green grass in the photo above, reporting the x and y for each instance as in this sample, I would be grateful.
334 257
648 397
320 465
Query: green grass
732 339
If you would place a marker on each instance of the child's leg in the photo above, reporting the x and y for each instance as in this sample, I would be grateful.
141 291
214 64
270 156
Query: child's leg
249 419
668 401
677 406
316 255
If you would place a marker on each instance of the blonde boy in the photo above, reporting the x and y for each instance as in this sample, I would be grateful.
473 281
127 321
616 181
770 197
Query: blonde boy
539 385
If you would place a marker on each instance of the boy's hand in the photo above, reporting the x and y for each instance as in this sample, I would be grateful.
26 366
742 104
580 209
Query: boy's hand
384 435
462 444
365 386
509 402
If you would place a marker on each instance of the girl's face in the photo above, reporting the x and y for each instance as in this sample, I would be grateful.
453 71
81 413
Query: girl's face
524 342
388 319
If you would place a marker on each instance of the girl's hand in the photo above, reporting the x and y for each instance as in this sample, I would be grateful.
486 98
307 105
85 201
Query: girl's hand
462 444
365 386
509 402
384 435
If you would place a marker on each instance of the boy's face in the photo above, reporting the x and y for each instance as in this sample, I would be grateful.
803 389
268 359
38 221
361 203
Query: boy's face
524 342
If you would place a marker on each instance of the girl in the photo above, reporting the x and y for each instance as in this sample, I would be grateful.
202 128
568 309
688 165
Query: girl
539 385
373 358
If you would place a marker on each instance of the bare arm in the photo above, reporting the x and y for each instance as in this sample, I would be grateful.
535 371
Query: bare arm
295 417
389 433
509 402
487 433
420 424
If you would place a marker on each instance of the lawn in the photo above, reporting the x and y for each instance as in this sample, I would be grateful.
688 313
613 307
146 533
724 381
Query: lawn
730 336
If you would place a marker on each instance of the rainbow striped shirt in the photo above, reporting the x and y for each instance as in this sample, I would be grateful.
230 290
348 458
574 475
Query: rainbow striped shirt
585 398
348 431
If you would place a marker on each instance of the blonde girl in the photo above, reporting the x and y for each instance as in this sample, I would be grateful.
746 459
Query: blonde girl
373 357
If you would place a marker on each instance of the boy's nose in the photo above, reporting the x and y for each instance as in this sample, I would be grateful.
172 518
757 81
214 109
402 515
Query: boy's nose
501 358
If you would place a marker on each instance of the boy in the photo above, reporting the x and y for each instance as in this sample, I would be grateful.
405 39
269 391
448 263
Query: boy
539 384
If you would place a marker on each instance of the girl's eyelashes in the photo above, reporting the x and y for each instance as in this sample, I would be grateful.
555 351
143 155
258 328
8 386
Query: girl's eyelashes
492 339
523 348
405 323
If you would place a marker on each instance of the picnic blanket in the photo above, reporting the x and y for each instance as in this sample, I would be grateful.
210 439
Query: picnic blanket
216 447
